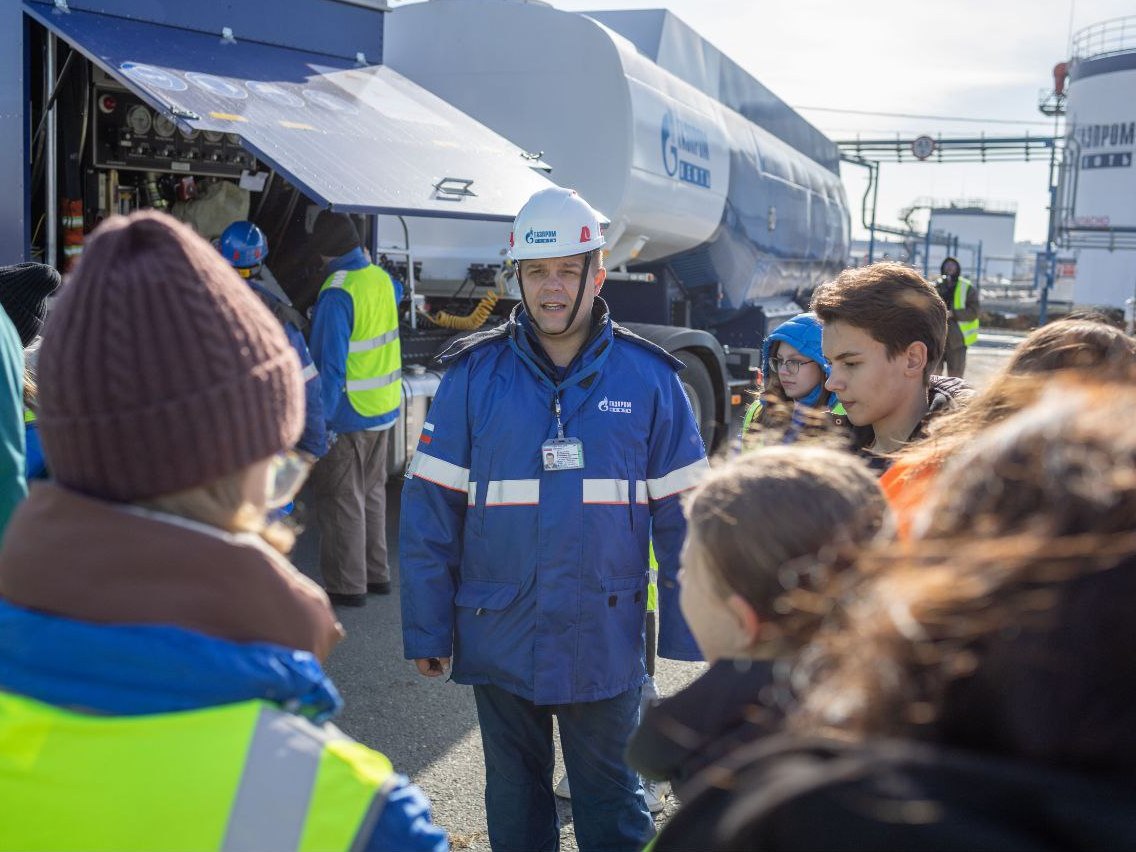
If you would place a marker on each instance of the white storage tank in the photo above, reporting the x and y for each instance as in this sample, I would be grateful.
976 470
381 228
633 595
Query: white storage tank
1101 128
984 232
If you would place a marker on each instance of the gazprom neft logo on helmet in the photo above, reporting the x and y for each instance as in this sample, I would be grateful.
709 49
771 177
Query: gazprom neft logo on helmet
683 145
535 237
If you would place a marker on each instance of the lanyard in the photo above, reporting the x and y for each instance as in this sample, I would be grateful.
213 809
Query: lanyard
556 408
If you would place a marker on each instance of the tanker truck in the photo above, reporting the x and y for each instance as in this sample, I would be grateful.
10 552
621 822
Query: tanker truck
726 207
431 124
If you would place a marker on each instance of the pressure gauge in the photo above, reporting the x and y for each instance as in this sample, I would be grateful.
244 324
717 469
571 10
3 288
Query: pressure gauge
189 135
139 120
164 126
213 136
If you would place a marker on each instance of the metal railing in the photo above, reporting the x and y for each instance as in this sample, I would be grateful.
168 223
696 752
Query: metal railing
1116 35
945 205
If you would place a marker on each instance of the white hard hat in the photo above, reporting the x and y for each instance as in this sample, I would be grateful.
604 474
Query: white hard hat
555 222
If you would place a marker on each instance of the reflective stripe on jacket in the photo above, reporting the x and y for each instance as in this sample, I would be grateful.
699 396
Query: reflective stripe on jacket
374 355
969 328
248 777
533 580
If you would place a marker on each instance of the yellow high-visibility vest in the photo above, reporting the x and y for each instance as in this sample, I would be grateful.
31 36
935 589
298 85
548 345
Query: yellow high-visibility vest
969 328
245 776
374 355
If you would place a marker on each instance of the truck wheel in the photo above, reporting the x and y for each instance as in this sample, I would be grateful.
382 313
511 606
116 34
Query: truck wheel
695 379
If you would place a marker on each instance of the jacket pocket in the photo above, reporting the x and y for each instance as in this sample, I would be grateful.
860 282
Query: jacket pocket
616 587
486 595
489 635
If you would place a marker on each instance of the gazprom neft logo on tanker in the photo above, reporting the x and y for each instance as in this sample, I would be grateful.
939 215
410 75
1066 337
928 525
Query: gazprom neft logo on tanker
684 143
534 236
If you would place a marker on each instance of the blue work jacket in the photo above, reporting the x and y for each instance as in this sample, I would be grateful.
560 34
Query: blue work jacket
532 580
314 437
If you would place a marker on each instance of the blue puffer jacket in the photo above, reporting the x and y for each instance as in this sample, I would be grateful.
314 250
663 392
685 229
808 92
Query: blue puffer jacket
536 581
144 669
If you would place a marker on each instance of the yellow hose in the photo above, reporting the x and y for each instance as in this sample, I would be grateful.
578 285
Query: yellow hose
476 318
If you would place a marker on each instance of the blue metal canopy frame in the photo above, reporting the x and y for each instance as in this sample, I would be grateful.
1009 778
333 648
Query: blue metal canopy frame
354 138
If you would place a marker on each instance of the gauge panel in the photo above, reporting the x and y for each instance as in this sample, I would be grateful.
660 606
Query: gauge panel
139 119
129 134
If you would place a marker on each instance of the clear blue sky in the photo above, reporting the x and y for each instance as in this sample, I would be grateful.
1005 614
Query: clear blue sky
973 59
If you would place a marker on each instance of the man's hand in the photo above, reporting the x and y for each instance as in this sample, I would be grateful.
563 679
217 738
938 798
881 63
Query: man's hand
433 666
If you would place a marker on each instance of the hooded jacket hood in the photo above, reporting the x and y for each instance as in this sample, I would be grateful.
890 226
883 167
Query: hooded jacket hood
803 333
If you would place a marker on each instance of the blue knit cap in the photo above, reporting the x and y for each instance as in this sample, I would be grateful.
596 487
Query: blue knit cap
803 333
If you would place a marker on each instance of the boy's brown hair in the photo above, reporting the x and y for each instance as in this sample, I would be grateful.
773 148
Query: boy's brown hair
891 302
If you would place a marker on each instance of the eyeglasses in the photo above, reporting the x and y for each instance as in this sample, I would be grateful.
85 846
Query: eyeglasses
790 365
286 473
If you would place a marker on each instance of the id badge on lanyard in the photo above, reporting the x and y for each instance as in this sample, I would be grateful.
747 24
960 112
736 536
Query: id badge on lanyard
562 453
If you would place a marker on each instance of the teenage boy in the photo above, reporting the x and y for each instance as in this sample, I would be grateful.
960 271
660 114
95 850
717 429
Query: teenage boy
884 331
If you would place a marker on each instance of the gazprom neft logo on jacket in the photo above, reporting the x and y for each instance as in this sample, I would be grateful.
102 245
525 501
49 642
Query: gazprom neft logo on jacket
685 147
616 406
534 236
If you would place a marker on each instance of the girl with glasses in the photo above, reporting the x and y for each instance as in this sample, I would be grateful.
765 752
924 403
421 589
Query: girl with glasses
793 397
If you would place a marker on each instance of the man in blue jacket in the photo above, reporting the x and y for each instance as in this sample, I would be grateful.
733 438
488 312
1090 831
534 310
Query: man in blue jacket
356 349
554 443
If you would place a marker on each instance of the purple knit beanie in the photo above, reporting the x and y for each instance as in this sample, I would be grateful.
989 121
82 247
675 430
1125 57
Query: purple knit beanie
160 370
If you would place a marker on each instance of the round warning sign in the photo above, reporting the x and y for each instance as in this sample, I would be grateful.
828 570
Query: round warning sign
150 76
277 94
330 101
217 85
923 147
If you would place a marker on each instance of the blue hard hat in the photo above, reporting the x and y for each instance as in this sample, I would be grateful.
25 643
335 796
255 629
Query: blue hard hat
243 245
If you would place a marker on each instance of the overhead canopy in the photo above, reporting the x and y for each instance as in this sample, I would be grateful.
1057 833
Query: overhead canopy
357 138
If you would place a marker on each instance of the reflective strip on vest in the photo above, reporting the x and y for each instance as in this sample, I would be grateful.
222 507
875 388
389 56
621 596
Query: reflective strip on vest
29 417
969 328
613 491
440 472
309 372
373 384
374 354
677 481
373 343
243 776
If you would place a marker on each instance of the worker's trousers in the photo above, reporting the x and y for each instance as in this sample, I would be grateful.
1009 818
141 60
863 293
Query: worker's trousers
608 808
955 360
349 484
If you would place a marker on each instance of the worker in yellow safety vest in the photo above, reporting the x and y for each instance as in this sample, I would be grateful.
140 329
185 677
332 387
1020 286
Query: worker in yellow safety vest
356 348
961 297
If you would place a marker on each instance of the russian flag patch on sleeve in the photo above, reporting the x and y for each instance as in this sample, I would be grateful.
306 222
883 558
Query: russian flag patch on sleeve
427 433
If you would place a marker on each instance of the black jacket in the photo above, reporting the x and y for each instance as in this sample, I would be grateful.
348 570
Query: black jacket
943 394
729 706
786 794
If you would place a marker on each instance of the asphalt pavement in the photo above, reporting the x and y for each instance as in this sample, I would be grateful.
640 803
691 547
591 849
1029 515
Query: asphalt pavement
428 726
